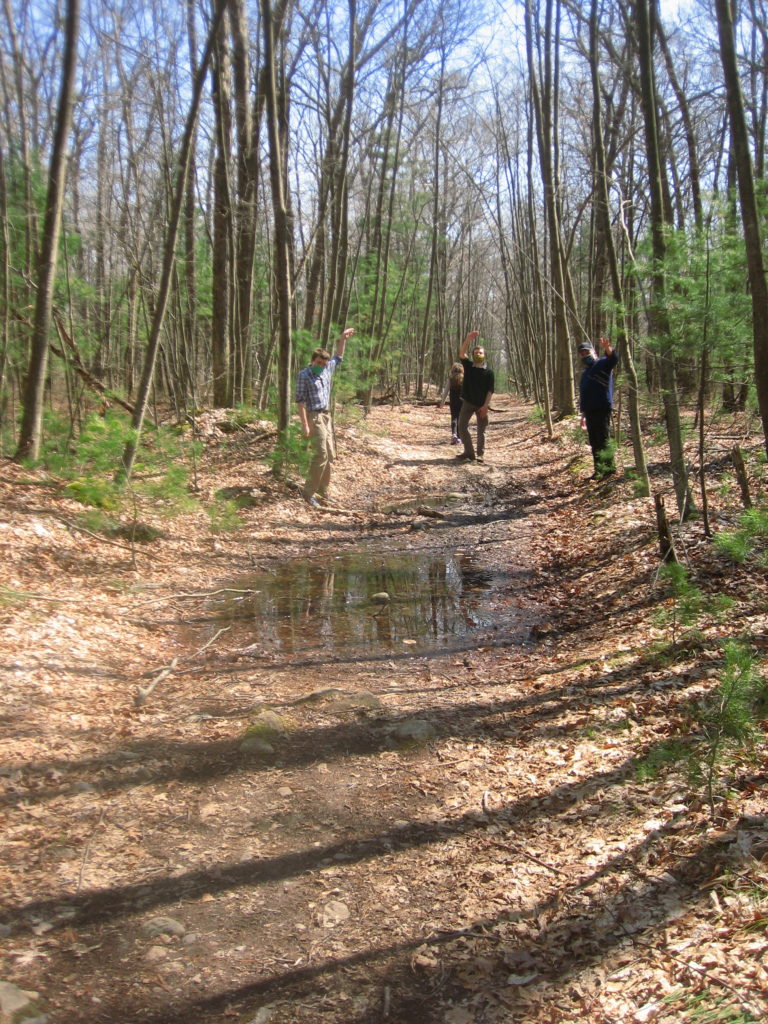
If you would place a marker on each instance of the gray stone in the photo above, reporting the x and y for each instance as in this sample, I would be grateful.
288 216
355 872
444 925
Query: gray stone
164 926
318 696
363 701
256 745
266 723
13 999
415 730
335 912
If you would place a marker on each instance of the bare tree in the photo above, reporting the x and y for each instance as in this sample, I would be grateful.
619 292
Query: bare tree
657 314
31 426
169 256
282 245
749 213
543 86
602 213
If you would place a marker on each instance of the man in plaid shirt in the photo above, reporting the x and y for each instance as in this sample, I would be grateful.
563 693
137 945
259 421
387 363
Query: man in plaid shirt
313 396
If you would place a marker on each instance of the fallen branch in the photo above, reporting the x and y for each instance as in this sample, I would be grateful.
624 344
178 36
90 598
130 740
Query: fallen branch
203 594
210 643
143 693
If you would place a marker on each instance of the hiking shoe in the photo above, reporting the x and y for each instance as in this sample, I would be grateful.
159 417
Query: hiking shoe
312 500
455 440
465 458
480 458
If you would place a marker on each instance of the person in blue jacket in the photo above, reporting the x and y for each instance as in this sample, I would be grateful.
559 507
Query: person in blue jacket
596 404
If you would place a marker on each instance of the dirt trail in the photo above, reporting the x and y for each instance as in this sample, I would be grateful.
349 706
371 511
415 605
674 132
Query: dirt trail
202 825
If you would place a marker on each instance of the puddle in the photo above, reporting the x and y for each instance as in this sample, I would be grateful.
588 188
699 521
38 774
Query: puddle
364 605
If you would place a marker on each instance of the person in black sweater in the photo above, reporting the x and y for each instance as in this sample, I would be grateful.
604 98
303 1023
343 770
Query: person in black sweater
596 404
476 395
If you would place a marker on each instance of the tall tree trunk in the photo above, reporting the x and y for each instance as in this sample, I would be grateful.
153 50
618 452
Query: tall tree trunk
749 213
333 310
221 301
189 310
657 313
5 294
34 390
31 225
433 260
283 286
602 213
169 252
247 179
694 171
543 110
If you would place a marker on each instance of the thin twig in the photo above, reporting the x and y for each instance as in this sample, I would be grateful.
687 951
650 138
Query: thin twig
703 972
205 646
203 594
86 851
531 856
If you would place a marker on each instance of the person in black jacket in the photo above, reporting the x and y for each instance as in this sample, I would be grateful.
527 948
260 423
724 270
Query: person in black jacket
596 404
476 394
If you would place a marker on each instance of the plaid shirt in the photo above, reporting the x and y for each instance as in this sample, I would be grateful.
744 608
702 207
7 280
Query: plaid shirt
314 392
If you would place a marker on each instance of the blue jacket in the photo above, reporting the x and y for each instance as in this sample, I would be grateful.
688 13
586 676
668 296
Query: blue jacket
596 384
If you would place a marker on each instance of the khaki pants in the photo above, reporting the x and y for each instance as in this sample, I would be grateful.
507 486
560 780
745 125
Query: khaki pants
321 435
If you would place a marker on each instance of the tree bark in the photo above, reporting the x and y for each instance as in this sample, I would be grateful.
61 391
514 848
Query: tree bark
222 248
657 313
602 214
544 110
34 390
282 275
169 254
749 212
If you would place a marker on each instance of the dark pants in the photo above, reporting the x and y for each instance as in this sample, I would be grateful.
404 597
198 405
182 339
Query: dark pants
454 400
599 433
467 412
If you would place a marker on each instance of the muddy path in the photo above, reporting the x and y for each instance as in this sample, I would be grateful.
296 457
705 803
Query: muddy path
256 790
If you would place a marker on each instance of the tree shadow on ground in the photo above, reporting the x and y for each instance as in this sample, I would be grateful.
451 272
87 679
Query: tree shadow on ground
571 930
537 711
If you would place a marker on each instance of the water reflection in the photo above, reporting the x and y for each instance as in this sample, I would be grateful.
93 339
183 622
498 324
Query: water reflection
336 606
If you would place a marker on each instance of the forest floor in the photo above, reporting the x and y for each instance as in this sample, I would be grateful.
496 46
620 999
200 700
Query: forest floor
236 786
